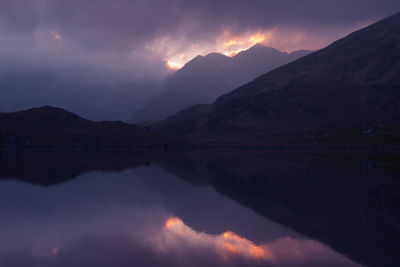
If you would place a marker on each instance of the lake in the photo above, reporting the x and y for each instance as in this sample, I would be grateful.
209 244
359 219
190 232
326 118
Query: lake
201 209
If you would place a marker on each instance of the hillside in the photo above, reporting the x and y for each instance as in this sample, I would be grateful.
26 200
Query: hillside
205 78
54 127
348 90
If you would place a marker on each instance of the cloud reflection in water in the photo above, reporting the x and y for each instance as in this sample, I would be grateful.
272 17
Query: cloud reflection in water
142 217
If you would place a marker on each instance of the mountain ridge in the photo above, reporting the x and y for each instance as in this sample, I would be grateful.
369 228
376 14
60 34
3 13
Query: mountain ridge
51 127
204 78
352 83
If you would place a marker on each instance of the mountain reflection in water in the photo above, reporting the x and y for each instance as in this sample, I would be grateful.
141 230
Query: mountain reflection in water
150 216
230 247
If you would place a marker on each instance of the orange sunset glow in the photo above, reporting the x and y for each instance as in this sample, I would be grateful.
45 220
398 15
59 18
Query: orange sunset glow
226 44
236 244
174 65
177 236
176 54
242 43
226 245
174 221
199 133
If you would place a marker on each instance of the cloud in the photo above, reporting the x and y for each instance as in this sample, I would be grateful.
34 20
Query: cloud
121 25
84 44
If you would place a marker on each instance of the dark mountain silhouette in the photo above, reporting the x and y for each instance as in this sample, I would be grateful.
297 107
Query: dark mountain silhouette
55 127
348 90
205 78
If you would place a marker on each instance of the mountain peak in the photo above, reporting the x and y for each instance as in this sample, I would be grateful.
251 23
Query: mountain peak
50 110
259 49
260 46
202 60
214 55
205 78
335 91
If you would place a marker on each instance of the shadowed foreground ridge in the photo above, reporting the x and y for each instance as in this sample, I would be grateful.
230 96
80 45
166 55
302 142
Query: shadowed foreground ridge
54 127
348 90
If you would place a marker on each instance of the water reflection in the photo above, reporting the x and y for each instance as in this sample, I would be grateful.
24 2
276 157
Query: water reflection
229 247
143 217
336 199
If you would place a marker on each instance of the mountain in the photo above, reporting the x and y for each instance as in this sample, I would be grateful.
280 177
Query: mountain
205 78
88 97
344 92
54 127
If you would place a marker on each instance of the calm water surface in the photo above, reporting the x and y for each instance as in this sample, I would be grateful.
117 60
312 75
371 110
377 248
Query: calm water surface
144 216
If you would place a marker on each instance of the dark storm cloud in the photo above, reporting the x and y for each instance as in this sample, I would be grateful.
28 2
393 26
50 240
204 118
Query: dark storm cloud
261 13
123 24
62 44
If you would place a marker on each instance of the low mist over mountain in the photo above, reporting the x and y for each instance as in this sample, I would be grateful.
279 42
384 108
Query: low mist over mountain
91 98
96 94
352 87
203 79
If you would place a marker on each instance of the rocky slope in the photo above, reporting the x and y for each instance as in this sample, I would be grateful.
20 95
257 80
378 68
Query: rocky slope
345 91
203 79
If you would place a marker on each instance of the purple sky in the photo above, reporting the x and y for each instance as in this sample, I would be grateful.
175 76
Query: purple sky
134 38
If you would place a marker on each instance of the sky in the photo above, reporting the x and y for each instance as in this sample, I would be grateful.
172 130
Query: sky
105 59
139 39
